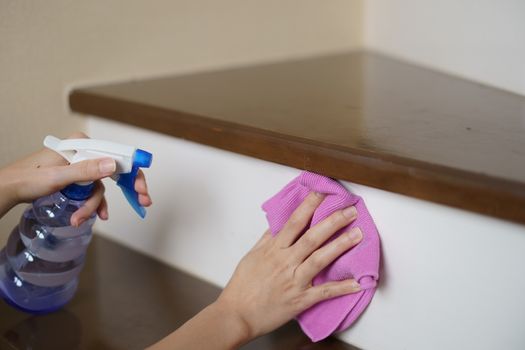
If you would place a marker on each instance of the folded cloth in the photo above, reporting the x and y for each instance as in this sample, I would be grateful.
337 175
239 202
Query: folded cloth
361 262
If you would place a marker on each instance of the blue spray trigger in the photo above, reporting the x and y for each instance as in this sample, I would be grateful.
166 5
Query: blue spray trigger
126 182
142 159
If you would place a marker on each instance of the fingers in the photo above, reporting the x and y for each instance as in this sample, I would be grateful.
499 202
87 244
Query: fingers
140 183
145 200
299 219
142 189
324 256
329 290
318 234
87 170
90 206
102 210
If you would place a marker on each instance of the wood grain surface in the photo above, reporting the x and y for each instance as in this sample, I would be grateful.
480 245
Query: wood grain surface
126 300
355 116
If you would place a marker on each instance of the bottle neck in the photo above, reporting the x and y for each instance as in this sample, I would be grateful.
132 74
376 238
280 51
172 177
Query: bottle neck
78 192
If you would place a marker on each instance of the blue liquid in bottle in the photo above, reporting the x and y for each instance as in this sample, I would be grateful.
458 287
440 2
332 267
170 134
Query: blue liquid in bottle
44 254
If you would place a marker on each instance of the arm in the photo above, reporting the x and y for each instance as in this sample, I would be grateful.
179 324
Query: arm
215 327
272 283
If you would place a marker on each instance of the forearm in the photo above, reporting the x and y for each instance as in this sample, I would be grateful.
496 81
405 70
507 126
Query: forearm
215 327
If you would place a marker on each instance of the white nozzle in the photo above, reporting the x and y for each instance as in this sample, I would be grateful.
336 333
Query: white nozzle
128 160
77 150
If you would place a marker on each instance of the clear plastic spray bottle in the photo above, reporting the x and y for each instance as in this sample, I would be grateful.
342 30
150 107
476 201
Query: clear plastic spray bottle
40 264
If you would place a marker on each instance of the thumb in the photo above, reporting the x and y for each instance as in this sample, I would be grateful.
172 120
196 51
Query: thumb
87 170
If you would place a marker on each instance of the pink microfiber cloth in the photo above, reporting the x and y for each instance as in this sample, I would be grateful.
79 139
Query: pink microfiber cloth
361 262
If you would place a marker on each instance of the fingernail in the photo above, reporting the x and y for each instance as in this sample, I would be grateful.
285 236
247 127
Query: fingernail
355 285
350 212
107 166
355 234
319 194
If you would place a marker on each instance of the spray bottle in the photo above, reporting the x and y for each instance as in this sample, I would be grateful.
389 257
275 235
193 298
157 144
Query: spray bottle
44 254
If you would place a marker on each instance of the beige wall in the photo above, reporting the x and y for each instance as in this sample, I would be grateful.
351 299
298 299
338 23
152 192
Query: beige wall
482 41
48 46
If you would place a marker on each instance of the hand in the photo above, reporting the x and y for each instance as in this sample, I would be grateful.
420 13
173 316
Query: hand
273 282
46 172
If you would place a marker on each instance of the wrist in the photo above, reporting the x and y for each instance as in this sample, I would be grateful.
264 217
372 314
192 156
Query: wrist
236 328
8 198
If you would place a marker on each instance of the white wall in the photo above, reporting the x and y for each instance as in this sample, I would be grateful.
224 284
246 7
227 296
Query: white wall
481 40
451 278
46 47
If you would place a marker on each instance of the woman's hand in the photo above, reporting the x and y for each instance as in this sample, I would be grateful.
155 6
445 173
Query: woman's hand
46 172
273 282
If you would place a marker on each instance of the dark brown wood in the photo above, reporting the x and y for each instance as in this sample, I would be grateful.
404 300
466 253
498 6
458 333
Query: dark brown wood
128 301
357 116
